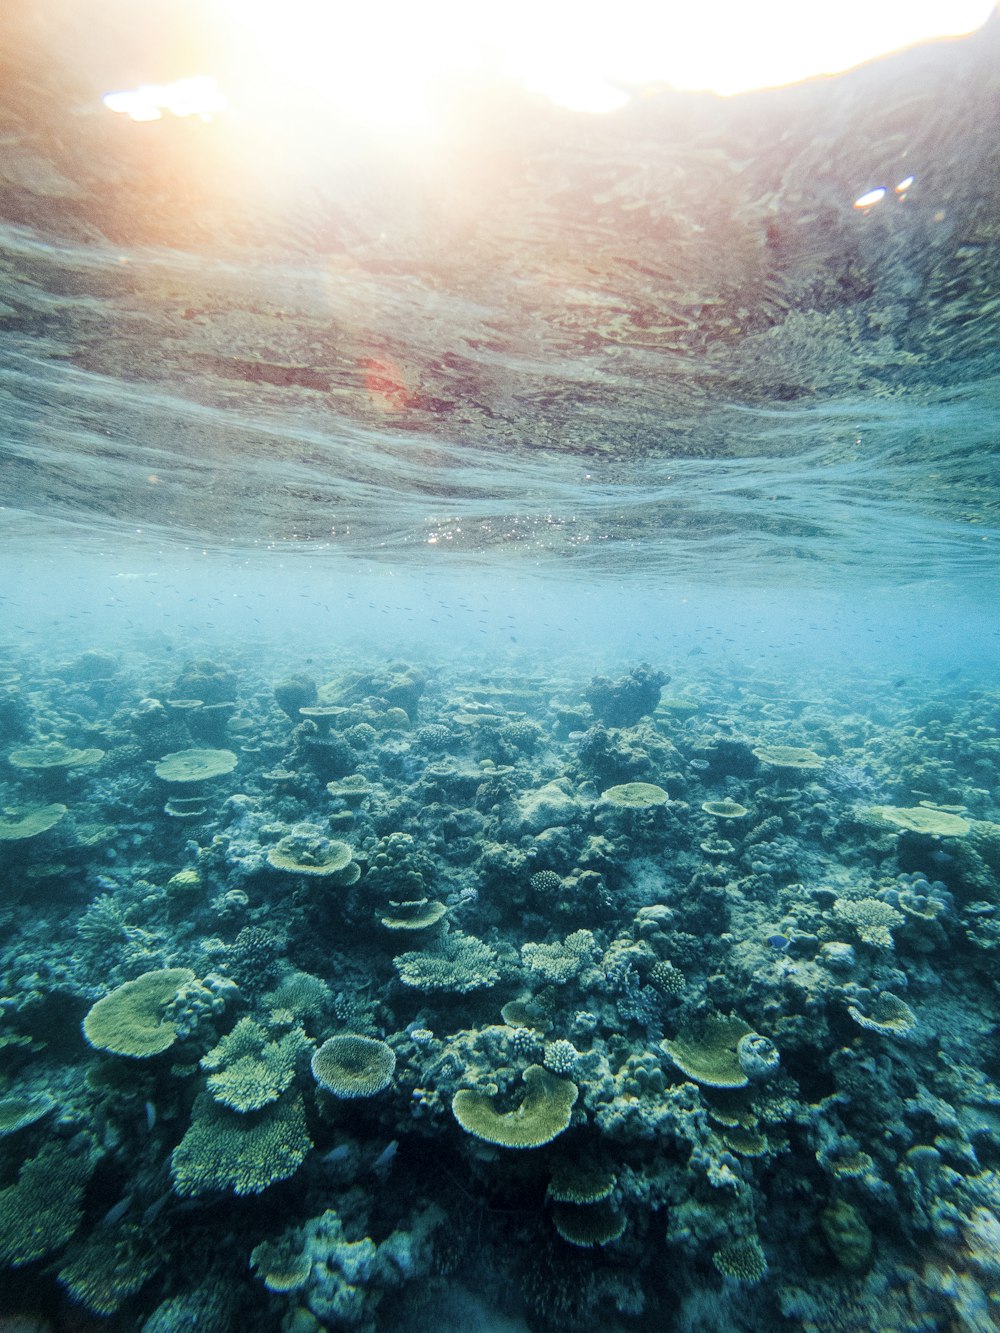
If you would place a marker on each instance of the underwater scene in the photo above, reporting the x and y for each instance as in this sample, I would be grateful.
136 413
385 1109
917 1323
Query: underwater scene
499 698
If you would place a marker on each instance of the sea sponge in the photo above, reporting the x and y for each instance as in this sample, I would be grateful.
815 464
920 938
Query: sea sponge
542 1115
226 1150
710 1055
131 1019
195 765
349 1065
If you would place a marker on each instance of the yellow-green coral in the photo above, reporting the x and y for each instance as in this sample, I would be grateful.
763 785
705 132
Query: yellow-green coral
130 1020
307 851
53 754
17 1112
788 756
452 962
741 1261
195 765
888 1016
249 1068
226 1150
349 1065
42 1210
588 1225
926 819
544 1112
636 796
559 963
282 1265
710 1056
16 825
109 1267
871 918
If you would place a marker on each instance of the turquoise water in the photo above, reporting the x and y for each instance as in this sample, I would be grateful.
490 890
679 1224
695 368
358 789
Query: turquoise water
499 714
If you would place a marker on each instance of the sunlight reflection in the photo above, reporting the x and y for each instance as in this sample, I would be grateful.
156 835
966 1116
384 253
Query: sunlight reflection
197 96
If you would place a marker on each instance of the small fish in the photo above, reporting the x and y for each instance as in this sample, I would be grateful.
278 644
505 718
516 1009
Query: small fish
384 1160
116 1213
150 1116
338 1154
156 1207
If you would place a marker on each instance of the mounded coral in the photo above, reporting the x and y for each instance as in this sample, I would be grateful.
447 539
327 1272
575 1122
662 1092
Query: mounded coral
623 702
544 1112
195 765
349 1065
242 1153
131 1020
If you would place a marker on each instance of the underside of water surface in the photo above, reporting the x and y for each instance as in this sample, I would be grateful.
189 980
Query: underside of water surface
499 706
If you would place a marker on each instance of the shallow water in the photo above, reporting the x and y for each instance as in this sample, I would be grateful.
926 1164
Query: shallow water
581 469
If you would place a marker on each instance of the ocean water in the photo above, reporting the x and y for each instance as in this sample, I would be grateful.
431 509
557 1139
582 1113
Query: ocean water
499 709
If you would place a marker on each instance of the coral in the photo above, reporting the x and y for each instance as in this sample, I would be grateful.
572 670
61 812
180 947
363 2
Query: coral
543 1114
560 963
282 1265
560 1057
788 757
888 1016
924 819
452 962
244 1153
848 1234
131 1020
725 809
42 1210
17 1111
250 1068
49 755
293 693
103 1271
871 918
545 883
351 1066
758 1056
308 851
742 1261
195 765
635 796
709 1056
18 824
667 979
622 702
588 1225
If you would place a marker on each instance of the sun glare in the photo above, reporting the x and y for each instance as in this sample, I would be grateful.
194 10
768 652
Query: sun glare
386 65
